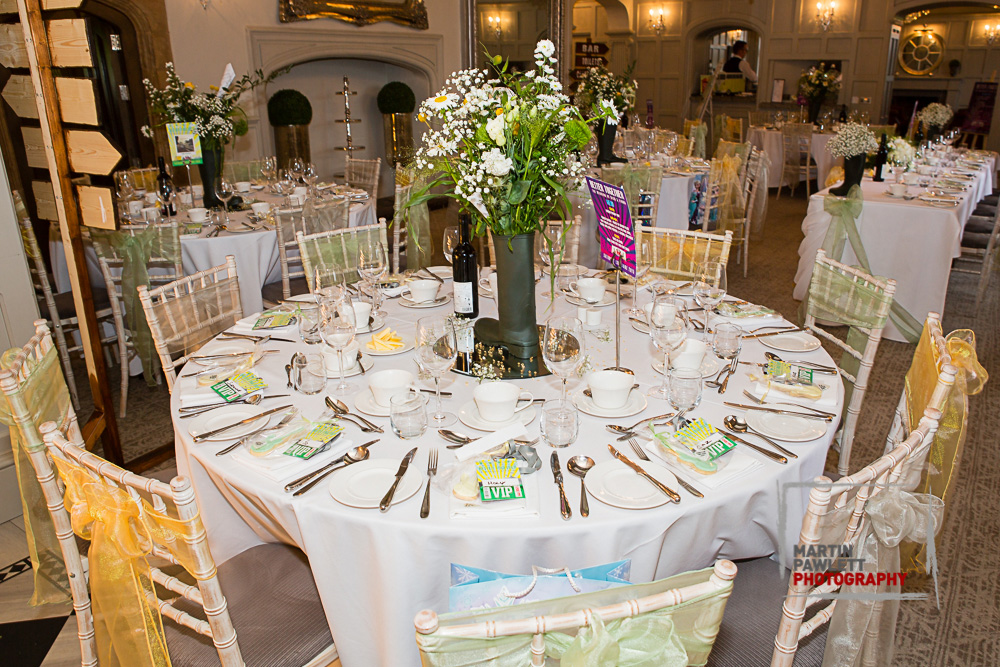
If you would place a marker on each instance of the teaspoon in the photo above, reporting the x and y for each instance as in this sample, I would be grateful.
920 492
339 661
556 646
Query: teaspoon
579 465
771 356
734 423
341 409
354 456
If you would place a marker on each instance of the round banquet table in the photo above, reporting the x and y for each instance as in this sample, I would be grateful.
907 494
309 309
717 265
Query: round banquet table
375 571
770 142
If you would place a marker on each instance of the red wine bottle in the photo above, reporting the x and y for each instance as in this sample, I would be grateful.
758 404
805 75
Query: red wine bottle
881 157
465 271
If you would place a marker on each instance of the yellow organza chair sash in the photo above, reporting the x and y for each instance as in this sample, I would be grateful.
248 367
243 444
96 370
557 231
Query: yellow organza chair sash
698 135
416 217
731 206
844 211
122 531
669 637
682 256
47 398
862 629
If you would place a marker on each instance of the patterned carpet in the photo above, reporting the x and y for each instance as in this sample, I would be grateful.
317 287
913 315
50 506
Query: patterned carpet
963 627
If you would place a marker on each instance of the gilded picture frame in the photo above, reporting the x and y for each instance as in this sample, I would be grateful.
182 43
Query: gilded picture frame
409 12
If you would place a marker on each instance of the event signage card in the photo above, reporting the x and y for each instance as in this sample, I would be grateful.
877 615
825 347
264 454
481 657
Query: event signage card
314 441
239 386
185 144
614 225
704 439
274 320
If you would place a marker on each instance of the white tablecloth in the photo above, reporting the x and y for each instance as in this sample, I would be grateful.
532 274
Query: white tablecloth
770 142
376 571
910 241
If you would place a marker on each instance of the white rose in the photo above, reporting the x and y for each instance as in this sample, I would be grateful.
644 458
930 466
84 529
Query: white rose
494 128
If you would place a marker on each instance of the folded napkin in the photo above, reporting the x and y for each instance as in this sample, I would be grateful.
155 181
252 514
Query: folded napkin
739 465
194 398
490 441
281 468
525 508
828 398
244 327
748 316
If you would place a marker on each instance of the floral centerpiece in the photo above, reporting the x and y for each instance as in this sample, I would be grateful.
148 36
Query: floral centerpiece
901 152
853 142
615 95
217 117
508 149
816 85
934 117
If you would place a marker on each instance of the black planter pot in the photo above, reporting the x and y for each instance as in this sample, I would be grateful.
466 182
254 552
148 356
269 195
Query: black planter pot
854 171
815 106
606 144
516 328
210 169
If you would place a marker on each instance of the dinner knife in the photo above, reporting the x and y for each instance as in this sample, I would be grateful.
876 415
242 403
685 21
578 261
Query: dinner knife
284 420
224 355
229 334
772 333
431 274
209 434
557 474
777 411
296 483
670 493
766 452
403 465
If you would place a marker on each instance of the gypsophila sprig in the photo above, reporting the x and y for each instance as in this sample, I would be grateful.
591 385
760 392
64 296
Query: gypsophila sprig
852 139
601 89
901 152
935 115
217 117
507 146
819 82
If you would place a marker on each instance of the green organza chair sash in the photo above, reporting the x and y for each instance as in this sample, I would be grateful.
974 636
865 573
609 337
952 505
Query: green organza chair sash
47 399
844 211
837 297
672 636
635 181
243 171
416 218
333 258
698 135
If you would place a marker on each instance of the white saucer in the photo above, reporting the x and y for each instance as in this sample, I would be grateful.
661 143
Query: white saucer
365 402
469 415
442 272
349 373
710 365
642 327
376 326
614 483
635 404
407 346
365 483
798 341
219 417
785 427
407 302
609 300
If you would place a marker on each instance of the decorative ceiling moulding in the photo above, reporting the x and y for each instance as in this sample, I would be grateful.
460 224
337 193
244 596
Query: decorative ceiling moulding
410 13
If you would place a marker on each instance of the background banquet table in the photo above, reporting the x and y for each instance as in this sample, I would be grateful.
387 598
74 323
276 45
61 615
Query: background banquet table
770 142
909 241
375 571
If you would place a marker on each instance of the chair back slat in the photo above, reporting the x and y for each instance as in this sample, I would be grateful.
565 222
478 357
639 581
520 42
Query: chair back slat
363 174
333 255
681 254
310 219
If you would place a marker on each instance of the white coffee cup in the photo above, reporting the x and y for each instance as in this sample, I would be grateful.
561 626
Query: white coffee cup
498 401
198 190
590 290
150 197
925 169
261 208
386 384
243 186
490 282
610 389
897 189
150 213
135 207
198 214
300 190
332 360
690 354
910 178
422 291
185 198
362 311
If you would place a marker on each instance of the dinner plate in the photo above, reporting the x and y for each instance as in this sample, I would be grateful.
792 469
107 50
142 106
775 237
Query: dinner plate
608 300
785 427
365 402
223 347
234 229
614 483
303 298
635 404
791 342
710 365
641 327
469 415
313 368
577 268
407 346
365 483
407 302
219 417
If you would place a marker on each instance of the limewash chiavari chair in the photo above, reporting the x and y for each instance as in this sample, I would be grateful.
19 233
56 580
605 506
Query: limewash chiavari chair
692 603
848 296
980 239
363 174
759 118
680 254
333 256
554 229
837 513
796 139
246 170
267 582
187 313
642 189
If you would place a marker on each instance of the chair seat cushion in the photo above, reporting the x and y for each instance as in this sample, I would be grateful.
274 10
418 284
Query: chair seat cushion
272 292
975 240
988 210
274 606
992 200
979 224
752 616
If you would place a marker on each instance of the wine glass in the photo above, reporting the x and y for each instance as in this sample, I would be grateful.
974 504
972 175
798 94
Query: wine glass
643 261
225 191
562 347
296 166
268 168
450 242
310 175
710 288
668 331
337 328
436 350
372 264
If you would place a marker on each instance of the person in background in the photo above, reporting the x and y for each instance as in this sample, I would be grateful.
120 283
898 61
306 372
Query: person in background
738 64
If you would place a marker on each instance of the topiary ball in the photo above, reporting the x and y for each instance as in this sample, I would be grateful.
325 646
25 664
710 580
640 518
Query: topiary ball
396 97
289 107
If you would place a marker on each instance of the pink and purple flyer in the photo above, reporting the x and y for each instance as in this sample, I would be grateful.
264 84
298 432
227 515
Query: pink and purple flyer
614 225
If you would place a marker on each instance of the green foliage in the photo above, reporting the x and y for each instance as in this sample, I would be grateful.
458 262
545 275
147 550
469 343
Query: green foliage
289 107
396 97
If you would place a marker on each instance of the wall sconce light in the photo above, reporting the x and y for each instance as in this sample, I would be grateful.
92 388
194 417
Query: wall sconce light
204 4
656 23
825 13
992 33
496 25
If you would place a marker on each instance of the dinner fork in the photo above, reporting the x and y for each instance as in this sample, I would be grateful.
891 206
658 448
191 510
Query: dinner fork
432 468
642 455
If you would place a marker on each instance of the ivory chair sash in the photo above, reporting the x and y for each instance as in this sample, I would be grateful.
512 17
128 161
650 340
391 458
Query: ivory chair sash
187 313
680 255
363 174
847 296
332 257
665 623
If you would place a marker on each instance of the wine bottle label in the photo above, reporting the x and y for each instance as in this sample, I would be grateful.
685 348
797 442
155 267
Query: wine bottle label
463 297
